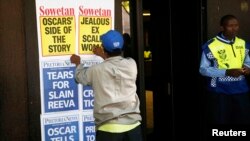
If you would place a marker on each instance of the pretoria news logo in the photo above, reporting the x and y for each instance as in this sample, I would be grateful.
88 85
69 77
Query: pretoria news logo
217 132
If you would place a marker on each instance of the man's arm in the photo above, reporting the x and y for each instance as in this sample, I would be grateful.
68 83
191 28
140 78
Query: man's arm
99 52
207 70
246 66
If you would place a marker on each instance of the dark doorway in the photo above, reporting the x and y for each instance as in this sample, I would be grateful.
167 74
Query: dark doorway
176 40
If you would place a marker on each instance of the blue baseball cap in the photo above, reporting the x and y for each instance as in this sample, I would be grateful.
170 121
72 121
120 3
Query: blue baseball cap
112 41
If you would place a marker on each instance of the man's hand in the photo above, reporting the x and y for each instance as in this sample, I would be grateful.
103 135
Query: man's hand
75 59
234 72
246 70
99 51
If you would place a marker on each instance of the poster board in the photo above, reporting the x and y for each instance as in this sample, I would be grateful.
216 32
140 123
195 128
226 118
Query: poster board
66 28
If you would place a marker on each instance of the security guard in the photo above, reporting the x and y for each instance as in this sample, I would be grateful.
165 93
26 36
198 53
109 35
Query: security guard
225 62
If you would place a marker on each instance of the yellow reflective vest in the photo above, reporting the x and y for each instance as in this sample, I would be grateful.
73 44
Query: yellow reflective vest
228 56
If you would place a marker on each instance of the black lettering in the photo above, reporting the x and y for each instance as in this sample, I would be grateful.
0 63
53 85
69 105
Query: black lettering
95 21
91 38
59 48
57 21
52 30
89 47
